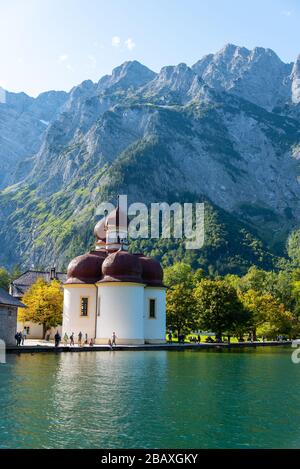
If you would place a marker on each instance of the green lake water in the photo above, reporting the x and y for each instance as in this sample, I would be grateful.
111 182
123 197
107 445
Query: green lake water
153 399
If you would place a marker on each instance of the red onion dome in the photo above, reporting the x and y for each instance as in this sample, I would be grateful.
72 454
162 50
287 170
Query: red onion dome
121 266
116 219
86 268
152 271
100 230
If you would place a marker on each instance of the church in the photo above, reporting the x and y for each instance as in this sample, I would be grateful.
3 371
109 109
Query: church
110 290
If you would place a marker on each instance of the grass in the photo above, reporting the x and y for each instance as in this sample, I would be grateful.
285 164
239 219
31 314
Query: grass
204 337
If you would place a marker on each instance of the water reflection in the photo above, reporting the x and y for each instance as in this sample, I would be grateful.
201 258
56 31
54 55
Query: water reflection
150 399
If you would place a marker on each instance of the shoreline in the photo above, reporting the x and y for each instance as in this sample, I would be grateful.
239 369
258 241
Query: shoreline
136 348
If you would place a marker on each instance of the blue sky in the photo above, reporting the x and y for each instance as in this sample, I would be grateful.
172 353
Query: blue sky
56 44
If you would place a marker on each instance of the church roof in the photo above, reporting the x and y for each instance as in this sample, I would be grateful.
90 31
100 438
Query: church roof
7 299
121 266
115 219
86 268
21 284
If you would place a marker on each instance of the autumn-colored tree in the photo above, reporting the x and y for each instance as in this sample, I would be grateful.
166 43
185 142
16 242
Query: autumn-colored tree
181 311
267 314
218 307
44 304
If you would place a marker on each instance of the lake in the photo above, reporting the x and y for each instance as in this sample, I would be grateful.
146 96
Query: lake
151 399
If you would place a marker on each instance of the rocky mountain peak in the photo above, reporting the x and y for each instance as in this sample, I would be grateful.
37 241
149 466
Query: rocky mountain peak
257 75
77 94
131 74
174 84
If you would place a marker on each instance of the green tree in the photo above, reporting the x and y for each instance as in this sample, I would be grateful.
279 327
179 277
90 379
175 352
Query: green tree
181 309
255 279
265 311
178 273
233 280
44 304
4 278
278 321
218 307
15 272
293 248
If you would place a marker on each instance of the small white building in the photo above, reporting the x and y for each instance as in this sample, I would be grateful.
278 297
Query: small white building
110 290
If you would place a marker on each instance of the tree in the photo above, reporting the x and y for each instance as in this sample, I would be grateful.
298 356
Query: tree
178 273
254 280
44 304
218 307
293 248
233 280
296 296
4 279
198 275
181 311
15 272
266 313
278 321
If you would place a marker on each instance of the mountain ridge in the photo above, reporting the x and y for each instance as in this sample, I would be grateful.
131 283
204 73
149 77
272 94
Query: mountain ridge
199 132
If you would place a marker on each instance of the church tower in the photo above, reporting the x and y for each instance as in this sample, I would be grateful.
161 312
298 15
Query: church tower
111 290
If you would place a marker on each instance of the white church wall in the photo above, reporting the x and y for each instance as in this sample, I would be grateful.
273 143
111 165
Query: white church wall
73 321
155 328
120 310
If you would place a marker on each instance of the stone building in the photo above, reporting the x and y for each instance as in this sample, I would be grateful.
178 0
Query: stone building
8 317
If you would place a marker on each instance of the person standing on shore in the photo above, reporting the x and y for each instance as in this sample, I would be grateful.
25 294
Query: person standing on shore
72 339
79 339
24 335
18 338
113 342
66 338
57 339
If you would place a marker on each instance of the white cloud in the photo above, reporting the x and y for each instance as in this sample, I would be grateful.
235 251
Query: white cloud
62 58
130 44
115 41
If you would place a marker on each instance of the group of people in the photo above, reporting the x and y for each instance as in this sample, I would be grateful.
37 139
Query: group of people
21 337
181 338
81 341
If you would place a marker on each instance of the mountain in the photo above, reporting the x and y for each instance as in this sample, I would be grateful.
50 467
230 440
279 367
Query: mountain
225 131
23 121
257 75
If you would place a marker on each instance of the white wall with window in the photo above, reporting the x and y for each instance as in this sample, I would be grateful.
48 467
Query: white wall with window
135 312
154 315
79 310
